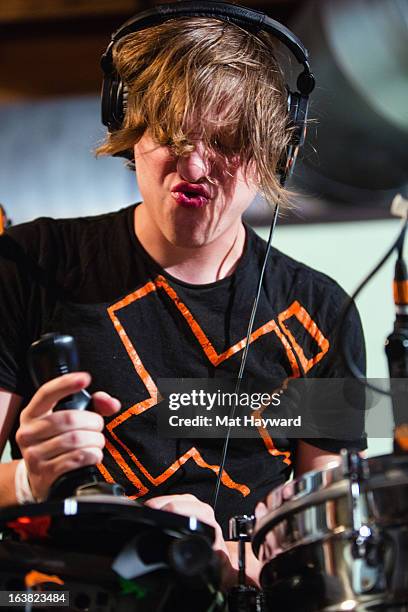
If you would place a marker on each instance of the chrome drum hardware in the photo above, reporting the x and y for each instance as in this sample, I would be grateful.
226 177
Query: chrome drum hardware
337 539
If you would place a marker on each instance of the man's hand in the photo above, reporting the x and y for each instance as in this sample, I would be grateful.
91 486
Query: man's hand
53 443
189 505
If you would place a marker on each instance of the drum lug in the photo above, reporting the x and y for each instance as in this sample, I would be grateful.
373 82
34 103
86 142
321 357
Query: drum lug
240 530
354 469
366 546
365 542
243 597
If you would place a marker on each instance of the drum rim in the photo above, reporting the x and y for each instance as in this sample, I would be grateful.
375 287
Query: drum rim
317 480
126 508
318 486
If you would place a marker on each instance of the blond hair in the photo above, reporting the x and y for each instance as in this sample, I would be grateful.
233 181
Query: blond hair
201 78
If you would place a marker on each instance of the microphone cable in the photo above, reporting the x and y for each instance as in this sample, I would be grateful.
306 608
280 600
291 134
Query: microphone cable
340 344
244 356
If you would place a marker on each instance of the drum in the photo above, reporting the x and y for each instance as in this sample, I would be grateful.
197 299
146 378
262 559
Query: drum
337 539
107 553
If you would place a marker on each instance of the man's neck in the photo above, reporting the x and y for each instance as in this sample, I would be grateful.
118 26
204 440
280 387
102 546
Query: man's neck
198 265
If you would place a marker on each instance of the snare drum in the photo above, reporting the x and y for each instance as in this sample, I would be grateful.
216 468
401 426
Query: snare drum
337 539
109 554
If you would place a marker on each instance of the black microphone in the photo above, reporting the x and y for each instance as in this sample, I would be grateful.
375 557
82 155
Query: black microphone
396 348
49 357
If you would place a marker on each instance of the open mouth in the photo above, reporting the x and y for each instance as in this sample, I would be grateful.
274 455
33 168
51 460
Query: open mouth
190 195
189 199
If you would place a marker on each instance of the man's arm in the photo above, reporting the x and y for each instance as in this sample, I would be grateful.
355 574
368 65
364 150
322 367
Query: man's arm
9 405
310 458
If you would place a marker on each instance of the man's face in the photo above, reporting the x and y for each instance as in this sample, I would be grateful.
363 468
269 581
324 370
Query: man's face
192 200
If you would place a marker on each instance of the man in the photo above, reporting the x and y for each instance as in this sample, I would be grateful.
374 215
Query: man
165 288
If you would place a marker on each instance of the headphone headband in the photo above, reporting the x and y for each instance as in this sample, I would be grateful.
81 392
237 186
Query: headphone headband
251 20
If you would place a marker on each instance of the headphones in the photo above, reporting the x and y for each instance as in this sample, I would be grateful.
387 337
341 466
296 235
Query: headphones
114 91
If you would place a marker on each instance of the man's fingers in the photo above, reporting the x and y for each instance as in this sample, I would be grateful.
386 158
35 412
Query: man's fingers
260 510
164 500
64 443
55 423
157 502
52 392
105 404
188 505
71 461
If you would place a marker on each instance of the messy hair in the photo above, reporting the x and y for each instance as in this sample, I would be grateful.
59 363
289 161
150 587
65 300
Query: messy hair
201 78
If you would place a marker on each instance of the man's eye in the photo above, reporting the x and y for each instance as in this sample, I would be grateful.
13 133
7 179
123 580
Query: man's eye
222 144
218 144
223 148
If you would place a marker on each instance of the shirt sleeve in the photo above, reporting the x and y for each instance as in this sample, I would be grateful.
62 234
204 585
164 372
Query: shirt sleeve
30 269
344 412
15 291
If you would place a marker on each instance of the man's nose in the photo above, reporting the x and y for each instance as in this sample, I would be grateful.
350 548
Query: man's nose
194 166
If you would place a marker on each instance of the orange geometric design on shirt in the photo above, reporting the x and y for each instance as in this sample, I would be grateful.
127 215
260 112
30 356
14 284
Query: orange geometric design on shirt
208 348
305 319
138 408
263 432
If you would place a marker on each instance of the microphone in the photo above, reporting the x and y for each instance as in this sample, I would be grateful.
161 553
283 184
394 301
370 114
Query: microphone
396 348
49 357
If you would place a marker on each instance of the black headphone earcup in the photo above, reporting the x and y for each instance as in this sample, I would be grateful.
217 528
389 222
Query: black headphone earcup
112 101
297 121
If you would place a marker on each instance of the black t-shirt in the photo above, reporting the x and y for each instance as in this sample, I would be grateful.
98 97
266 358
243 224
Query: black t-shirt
134 323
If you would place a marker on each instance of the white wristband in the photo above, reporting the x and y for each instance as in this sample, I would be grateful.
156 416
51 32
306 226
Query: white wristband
24 493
